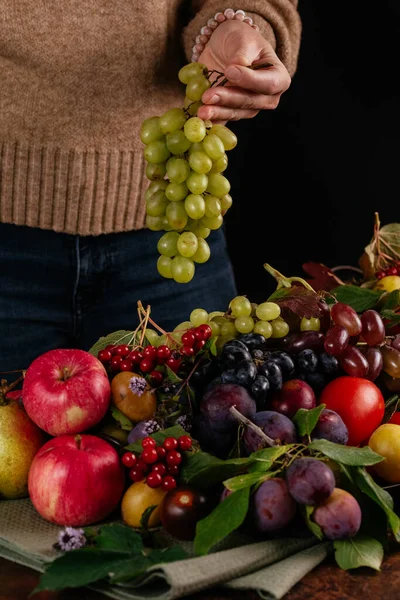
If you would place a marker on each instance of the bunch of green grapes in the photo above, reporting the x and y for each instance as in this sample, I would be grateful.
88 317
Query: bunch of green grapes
187 196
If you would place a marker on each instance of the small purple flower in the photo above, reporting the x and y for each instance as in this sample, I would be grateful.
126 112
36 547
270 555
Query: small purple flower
137 385
71 539
184 422
142 430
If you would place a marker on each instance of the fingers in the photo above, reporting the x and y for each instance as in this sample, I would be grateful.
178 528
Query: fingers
223 113
236 97
269 81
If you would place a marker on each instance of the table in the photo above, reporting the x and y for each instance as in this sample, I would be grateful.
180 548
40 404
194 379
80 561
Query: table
326 582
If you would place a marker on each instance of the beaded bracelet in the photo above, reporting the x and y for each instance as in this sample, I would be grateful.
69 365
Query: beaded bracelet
206 31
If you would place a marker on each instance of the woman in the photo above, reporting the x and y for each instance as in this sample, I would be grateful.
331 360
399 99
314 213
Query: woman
77 79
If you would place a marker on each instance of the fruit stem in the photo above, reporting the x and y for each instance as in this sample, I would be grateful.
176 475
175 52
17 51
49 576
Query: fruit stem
78 441
241 418
5 388
252 67
286 281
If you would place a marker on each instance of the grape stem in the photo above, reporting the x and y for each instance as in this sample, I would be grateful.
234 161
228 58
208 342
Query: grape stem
242 419
286 282
225 80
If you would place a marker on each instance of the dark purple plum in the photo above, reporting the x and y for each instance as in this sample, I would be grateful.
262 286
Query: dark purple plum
294 394
216 403
216 442
272 506
339 516
330 427
310 481
275 425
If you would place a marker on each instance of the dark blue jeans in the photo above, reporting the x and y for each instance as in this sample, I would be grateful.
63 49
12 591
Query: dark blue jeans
59 290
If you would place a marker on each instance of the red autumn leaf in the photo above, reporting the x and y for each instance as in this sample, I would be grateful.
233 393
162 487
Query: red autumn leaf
322 278
301 301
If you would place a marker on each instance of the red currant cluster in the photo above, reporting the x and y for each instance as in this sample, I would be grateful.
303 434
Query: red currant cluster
122 358
194 339
158 464
393 270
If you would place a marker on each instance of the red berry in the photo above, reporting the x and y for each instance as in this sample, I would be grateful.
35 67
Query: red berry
188 350
392 271
125 365
136 474
129 459
170 443
150 352
185 442
161 452
204 331
168 483
199 345
149 442
173 470
115 362
110 347
121 350
142 466
149 455
154 480
173 363
159 468
135 356
163 352
104 356
156 377
188 338
146 365
173 458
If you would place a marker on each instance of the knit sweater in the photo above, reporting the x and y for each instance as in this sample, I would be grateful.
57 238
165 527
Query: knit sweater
77 79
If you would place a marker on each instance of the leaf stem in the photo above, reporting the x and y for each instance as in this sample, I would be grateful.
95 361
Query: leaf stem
242 419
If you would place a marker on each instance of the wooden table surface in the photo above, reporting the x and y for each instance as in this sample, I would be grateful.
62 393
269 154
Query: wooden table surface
326 582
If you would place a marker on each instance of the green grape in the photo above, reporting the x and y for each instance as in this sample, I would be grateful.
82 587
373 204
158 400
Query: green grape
213 206
195 129
173 120
218 185
167 244
182 268
155 171
162 341
240 306
279 328
155 223
152 336
267 311
198 316
264 328
182 327
201 231
203 251
227 136
215 315
190 70
154 186
195 206
192 107
176 215
244 324
166 225
150 130
196 86
177 169
221 341
200 162
215 328
156 152
176 191
214 146
187 244
219 165
228 328
212 222
226 203
197 182
156 206
177 142
312 324
196 147
164 266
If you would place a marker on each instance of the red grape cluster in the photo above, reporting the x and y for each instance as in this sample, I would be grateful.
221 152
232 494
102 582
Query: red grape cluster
393 270
158 463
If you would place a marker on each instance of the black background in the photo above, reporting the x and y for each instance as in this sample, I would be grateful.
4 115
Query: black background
308 177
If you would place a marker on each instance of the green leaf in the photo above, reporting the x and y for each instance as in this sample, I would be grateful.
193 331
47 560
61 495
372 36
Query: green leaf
392 317
120 538
390 302
159 436
391 406
117 337
267 456
381 497
124 422
78 568
315 529
306 419
144 521
243 481
359 298
348 455
224 519
171 376
163 555
358 551
205 470
129 569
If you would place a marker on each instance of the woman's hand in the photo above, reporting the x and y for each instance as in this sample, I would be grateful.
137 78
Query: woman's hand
231 49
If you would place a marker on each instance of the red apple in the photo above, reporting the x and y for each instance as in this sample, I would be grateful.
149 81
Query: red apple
76 480
66 391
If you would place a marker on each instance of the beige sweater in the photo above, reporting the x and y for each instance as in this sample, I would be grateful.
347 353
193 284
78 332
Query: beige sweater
77 78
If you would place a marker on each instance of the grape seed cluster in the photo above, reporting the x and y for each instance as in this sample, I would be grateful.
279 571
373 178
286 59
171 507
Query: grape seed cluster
188 195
